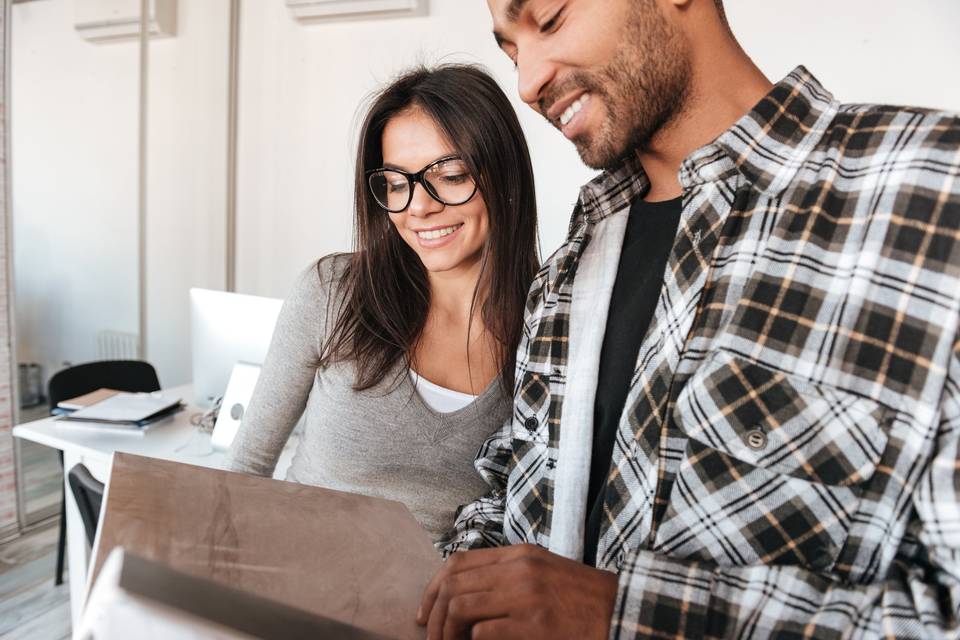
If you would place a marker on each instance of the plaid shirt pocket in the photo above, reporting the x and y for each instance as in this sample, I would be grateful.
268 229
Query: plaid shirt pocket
773 467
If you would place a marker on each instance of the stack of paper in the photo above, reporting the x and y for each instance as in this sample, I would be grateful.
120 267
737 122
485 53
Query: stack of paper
87 399
126 411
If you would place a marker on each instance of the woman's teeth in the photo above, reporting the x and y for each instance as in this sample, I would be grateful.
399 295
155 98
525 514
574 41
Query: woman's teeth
437 233
574 109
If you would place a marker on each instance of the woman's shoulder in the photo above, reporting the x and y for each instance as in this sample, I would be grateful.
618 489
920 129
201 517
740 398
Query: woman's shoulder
316 296
333 266
321 277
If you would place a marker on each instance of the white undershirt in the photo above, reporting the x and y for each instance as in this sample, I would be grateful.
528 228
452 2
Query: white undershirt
440 399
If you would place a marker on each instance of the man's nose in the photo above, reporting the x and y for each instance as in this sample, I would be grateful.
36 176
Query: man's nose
534 73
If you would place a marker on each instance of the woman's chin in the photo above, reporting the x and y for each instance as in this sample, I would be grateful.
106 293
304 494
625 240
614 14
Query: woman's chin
440 264
437 262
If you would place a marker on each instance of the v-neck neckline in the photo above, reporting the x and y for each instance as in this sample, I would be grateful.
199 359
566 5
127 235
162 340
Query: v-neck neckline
451 415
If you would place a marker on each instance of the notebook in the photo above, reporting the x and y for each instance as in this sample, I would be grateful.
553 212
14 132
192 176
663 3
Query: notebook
87 399
124 412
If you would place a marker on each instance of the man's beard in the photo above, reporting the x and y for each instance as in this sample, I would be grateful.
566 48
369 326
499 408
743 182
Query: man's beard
644 88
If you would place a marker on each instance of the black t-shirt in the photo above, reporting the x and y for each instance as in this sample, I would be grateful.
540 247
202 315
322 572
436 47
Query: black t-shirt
650 233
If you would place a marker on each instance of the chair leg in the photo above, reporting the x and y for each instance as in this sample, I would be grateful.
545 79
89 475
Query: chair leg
62 543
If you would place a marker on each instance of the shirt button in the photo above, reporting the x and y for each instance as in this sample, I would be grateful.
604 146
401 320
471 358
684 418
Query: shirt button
531 423
756 439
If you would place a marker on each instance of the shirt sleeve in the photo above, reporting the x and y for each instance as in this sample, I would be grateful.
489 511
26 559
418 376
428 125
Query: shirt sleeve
288 372
479 524
919 598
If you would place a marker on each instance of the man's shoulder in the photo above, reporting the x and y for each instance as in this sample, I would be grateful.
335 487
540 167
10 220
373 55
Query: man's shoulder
881 162
875 134
892 110
884 181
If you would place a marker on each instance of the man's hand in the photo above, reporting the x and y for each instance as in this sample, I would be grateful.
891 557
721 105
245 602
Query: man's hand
521 591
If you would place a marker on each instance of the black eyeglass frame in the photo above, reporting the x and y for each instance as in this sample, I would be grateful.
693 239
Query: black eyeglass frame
417 178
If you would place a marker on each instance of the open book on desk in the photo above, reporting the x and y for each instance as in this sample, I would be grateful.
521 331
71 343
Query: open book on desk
358 560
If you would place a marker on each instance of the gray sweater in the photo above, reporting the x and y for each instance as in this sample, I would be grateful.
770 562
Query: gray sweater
382 442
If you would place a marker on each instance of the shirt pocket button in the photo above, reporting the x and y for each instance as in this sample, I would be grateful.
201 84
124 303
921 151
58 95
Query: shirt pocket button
531 423
756 439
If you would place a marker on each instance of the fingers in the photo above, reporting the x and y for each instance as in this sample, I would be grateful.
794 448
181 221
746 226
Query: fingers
484 582
458 563
497 629
449 567
464 610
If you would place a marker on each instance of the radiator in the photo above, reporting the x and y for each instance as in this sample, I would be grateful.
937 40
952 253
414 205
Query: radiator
117 345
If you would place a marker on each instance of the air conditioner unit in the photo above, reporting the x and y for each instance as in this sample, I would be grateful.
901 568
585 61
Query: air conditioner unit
314 10
118 20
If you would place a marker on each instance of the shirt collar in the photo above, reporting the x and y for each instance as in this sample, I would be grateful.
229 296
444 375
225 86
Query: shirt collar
767 146
612 190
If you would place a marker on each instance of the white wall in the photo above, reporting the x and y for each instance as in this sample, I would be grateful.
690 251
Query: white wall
883 51
186 177
74 181
300 89
300 85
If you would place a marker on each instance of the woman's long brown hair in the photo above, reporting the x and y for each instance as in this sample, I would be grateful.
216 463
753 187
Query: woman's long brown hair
384 293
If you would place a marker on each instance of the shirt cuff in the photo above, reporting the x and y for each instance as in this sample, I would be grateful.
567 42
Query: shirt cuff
661 597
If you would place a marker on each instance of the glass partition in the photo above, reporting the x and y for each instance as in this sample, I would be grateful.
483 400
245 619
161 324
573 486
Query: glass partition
119 191
74 149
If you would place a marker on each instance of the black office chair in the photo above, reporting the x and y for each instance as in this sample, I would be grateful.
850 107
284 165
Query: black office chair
88 492
122 375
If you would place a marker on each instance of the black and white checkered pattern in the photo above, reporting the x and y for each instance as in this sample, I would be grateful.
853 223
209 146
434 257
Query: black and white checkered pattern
787 463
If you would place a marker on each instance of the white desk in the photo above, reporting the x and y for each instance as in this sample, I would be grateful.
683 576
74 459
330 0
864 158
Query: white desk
169 440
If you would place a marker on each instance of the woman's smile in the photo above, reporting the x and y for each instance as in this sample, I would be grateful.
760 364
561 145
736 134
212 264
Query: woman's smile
437 236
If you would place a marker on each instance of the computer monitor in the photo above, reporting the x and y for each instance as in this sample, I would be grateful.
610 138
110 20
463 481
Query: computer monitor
227 328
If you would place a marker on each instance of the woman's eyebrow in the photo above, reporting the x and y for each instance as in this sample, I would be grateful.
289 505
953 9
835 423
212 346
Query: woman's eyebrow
395 167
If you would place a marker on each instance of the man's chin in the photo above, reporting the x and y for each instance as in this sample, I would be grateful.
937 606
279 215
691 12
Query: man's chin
598 158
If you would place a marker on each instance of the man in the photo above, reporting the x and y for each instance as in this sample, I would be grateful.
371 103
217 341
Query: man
737 409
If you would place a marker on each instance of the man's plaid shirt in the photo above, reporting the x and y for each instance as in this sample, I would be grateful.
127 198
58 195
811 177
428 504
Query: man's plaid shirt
787 464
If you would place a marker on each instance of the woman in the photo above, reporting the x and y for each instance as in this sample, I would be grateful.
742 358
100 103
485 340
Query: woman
401 354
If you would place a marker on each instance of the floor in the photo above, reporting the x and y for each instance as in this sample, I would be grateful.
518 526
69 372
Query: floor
30 605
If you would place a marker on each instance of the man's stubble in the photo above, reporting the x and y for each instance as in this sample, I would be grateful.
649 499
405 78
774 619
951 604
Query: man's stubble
644 88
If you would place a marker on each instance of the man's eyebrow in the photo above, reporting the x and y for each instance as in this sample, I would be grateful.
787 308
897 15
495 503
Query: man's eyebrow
514 9
512 14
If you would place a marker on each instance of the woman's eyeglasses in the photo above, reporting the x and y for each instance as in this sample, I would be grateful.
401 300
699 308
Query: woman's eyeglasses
446 180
